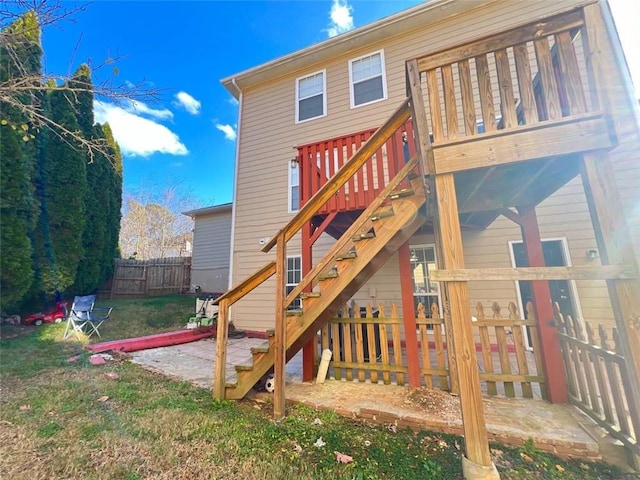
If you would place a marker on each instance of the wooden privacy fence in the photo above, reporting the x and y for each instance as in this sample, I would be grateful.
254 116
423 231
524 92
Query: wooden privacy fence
598 379
160 276
368 345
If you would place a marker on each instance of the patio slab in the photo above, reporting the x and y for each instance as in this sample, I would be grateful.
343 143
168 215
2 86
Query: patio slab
559 429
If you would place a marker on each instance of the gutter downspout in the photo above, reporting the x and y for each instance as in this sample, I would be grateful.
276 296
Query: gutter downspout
235 194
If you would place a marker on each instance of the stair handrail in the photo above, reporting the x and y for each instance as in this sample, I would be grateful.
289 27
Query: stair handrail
248 284
342 176
355 228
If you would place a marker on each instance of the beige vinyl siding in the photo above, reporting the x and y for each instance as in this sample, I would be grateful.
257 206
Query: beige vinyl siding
269 135
211 247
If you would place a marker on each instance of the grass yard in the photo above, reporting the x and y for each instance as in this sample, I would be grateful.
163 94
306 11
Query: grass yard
146 316
63 419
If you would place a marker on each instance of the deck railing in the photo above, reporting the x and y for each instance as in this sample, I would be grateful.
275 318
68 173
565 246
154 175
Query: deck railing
319 161
598 379
510 81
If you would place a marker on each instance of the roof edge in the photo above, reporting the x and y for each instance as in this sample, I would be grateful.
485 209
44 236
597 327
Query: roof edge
206 210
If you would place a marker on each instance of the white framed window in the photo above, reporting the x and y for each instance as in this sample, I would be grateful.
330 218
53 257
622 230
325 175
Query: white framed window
367 79
425 291
311 96
294 187
294 276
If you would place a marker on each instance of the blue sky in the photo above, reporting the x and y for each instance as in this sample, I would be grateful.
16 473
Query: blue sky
187 137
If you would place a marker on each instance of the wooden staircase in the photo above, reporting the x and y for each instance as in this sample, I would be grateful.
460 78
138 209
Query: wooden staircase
390 227
388 222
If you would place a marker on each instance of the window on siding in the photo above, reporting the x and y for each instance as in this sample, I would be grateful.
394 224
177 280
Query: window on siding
367 79
294 187
294 276
425 291
311 98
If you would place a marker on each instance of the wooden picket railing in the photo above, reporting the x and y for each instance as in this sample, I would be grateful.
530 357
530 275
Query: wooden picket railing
365 346
516 368
520 77
598 379
527 87
370 347
319 161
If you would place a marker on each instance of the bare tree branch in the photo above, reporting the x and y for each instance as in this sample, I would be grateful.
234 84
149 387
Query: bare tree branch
24 88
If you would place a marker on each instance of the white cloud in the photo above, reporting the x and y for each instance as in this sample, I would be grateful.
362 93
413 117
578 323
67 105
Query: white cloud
233 101
138 107
228 130
187 102
138 136
341 18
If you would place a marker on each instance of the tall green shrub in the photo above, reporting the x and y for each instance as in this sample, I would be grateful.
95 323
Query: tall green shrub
20 54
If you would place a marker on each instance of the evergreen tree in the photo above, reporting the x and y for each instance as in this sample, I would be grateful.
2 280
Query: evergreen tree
88 276
20 54
82 99
112 249
95 238
65 188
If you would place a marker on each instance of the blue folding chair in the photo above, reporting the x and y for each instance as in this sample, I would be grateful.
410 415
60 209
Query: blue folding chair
85 318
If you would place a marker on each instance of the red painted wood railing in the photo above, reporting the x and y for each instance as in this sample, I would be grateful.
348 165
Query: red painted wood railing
319 161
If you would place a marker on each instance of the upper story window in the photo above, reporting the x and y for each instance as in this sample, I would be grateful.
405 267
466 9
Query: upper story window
367 79
294 187
311 96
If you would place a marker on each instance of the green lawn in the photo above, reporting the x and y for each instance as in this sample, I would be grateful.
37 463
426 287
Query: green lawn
63 419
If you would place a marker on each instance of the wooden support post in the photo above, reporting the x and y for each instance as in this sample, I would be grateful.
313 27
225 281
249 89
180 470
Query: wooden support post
409 316
474 427
609 223
222 331
616 248
309 350
543 308
444 295
280 346
419 116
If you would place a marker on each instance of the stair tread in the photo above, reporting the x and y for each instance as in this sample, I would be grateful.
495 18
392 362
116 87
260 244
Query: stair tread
260 349
310 294
389 212
363 236
326 276
347 256
404 192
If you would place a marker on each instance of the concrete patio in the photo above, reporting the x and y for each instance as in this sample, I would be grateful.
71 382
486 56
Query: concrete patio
560 429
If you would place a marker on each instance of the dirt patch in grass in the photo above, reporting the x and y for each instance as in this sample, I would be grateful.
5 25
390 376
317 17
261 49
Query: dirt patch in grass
431 400
8 331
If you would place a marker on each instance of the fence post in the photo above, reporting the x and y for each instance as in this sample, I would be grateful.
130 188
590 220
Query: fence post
222 331
280 346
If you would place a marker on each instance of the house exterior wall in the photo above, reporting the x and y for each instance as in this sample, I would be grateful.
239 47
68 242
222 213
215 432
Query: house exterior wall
211 248
269 133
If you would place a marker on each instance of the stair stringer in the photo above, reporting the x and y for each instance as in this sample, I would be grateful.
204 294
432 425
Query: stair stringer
372 253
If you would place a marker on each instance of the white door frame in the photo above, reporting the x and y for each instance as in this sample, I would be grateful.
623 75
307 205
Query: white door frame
572 283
